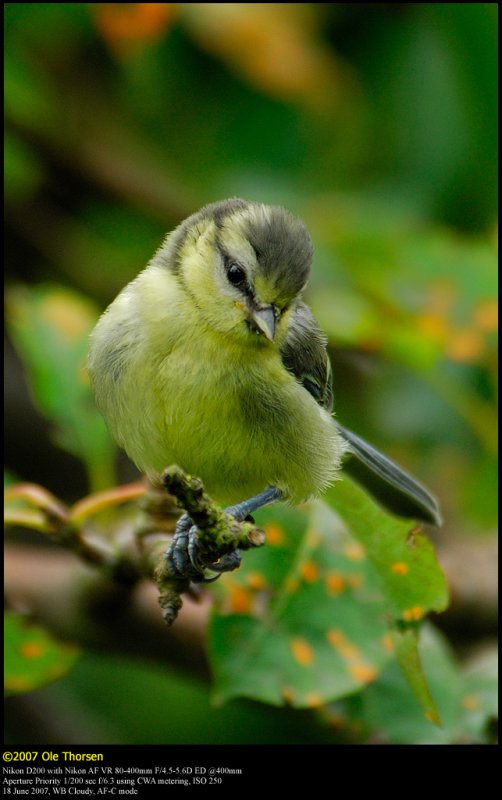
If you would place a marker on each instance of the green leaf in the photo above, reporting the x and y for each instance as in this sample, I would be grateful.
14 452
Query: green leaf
386 711
23 174
50 328
33 658
479 701
411 667
303 621
403 558
9 479
410 577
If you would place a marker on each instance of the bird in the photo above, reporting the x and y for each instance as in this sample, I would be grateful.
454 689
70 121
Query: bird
211 359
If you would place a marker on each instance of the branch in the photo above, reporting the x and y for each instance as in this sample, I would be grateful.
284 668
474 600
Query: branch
219 533
131 549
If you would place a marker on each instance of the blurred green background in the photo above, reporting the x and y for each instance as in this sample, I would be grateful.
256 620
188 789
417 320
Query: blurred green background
375 123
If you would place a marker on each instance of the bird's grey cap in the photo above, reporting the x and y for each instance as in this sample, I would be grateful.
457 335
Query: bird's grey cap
282 245
281 241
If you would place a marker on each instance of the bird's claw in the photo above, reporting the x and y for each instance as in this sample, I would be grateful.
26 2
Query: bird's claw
187 560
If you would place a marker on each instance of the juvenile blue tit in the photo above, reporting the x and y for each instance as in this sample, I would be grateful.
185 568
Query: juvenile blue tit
211 360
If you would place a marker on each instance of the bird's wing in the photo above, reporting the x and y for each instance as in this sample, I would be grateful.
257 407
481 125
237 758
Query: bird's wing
304 354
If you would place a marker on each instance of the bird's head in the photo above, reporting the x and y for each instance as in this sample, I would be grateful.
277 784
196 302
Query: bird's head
243 266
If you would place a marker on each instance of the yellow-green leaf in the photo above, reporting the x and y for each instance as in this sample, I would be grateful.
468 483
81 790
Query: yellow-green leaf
302 621
402 555
33 658
411 667
50 328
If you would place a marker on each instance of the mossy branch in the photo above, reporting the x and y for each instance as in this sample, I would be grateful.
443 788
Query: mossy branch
133 550
219 534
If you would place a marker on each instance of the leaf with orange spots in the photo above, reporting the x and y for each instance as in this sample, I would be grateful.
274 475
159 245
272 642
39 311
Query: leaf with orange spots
466 697
310 628
399 552
318 620
405 563
32 657
50 329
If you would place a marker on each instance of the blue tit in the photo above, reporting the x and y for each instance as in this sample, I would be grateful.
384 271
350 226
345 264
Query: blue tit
211 360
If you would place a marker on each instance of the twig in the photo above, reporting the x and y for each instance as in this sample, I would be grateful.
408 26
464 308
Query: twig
137 548
219 533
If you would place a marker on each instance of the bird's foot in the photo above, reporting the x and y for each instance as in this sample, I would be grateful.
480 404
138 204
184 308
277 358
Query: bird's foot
188 559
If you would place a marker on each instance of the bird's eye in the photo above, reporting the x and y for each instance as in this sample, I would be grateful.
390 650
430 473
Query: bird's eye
236 275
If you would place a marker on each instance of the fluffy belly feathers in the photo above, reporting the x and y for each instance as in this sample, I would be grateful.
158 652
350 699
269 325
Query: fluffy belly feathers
240 429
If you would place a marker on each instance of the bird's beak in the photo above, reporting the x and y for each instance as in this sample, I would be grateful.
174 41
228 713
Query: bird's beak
262 320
